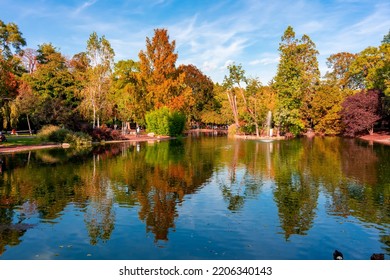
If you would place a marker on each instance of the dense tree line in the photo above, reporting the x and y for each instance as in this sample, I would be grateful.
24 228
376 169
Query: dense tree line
41 86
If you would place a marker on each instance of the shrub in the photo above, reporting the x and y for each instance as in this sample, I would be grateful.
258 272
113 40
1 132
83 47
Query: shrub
164 122
78 138
59 135
176 123
105 134
52 133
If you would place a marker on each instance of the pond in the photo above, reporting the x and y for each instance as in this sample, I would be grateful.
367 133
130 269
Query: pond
198 198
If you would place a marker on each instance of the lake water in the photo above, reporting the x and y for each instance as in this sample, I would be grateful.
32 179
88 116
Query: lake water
198 198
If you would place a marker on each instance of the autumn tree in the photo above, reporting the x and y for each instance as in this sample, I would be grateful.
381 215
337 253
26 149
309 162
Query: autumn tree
340 74
218 111
295 81
95 102
78 66
11 41
164 85
326 109
263 101
372 68
360 112
201 87
257 105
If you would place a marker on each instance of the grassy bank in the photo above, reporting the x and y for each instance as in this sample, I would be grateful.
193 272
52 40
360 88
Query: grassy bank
20 140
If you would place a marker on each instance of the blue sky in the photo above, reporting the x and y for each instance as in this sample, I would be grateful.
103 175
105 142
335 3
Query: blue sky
208 34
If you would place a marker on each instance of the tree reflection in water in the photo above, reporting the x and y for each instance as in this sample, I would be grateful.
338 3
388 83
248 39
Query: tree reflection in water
155 179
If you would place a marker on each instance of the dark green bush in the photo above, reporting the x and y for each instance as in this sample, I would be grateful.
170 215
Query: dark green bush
52 133
59 135
176 123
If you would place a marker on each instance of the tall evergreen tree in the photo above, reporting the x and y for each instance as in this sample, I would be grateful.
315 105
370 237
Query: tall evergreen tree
295 82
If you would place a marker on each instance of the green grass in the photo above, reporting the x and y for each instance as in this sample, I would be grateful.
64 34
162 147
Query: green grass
19 140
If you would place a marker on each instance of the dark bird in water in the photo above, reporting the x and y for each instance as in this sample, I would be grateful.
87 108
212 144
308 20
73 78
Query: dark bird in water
377 257
337 255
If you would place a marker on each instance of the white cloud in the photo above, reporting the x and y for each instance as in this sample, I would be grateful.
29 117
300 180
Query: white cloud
84 6
266 59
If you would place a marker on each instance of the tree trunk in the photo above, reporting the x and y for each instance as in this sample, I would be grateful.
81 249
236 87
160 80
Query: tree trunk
257 129
233 104
371 130
94 116
29 126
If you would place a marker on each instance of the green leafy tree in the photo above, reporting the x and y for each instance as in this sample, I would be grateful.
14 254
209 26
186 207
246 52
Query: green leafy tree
11 40
386 38
340 74
95 102
54 87
218 111
126 92
260 104
233 87
372 68
295 82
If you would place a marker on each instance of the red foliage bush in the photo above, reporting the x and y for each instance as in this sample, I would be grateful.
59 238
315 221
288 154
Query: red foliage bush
360 112
106 134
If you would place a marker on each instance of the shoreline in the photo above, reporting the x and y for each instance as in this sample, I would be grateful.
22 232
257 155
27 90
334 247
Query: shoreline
26 148
380 138
260 138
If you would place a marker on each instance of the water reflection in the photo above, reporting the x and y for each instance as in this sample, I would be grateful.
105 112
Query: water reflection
346 177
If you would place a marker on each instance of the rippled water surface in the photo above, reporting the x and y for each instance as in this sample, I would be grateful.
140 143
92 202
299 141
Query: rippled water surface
198 198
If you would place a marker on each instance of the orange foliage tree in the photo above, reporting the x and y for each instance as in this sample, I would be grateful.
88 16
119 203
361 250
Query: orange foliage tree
163 84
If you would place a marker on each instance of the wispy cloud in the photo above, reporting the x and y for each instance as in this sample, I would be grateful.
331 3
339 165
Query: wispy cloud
366 31
208 34
84 6
266 59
